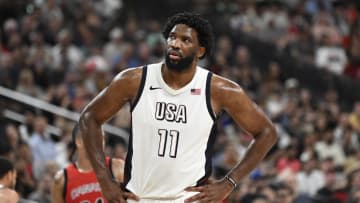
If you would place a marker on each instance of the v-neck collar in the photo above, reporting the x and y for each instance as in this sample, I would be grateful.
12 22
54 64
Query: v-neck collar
168 88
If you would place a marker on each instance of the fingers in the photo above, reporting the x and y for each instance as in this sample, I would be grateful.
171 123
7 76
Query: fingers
200 198
205 194
197 197
130 195
195 189
118 201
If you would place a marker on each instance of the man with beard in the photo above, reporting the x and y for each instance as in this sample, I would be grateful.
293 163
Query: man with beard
174 108
7 182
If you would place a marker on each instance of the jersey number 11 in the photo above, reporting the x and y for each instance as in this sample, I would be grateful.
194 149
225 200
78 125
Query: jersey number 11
174 135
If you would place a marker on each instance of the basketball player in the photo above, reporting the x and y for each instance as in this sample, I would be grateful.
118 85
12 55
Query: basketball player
77 183
174 106
7 182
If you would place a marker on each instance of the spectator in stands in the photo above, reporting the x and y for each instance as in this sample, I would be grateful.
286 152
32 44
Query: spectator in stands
119 151
42 192
288 160
355 197
42 146
26 182
354 180
310 179
65 56
255 198
303 47
27 84
323 25
329 56
327 147
6 151
115 47
353 68
12 135
284 193
354 117
28 42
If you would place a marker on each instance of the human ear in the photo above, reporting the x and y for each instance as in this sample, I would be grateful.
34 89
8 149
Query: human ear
201 52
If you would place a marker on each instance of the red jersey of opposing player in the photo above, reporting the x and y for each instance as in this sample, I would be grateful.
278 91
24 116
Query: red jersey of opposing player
82 187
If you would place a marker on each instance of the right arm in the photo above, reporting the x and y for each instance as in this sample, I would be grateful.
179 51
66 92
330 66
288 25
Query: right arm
57 188
121 90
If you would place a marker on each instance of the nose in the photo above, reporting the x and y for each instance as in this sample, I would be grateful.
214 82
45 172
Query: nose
174 43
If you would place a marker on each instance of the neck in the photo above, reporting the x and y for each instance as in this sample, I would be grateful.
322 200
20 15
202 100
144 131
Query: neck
177 80
3 184
83 163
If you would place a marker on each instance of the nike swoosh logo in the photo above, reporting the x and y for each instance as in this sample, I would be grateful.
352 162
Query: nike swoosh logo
154 88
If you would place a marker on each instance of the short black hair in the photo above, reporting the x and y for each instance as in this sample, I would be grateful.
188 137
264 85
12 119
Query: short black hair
195 21
5 167
74 134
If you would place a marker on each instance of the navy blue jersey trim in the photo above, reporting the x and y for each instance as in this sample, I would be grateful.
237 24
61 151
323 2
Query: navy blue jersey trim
208 156
141 88
208 96
110 168
128 161
65 184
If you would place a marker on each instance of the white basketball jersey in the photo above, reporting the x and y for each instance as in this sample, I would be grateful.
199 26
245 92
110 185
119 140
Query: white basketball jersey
170 146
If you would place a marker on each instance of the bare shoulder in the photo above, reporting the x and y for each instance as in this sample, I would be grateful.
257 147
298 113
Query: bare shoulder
128 81
219 83
130 74
8 195
222 89
13 194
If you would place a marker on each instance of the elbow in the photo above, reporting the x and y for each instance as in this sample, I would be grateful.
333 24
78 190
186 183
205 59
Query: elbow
86 122
272 135
267 136
85 118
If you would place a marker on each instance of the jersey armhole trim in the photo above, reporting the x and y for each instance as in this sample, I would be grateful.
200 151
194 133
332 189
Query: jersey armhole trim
65 184
141 88
208 96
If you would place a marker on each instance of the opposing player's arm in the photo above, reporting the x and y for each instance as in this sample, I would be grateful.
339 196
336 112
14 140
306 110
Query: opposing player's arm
117 168
229 96
122 89
57 188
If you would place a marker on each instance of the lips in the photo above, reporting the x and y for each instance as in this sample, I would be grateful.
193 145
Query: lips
174 54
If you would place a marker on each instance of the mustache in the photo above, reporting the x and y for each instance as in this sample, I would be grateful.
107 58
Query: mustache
174 52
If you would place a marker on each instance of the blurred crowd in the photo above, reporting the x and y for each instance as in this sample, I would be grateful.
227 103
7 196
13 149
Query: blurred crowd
320 32
65 52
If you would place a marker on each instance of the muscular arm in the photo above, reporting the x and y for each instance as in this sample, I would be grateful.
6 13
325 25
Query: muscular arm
122 89
249 117
57 188
229 96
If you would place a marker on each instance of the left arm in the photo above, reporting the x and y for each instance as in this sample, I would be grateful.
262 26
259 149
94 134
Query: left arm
231 97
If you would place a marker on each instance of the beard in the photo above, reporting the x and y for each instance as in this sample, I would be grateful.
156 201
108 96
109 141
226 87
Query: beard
179 65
